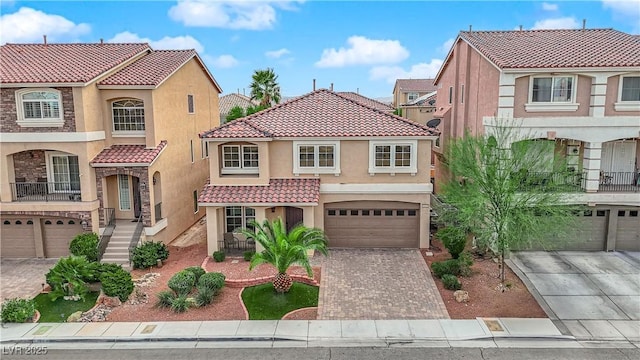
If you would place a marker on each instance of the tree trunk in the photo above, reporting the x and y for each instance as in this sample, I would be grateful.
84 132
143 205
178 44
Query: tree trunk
282 283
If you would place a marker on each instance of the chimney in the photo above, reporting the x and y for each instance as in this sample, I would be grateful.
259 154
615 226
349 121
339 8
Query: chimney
45 39
584 24
331 88
314 84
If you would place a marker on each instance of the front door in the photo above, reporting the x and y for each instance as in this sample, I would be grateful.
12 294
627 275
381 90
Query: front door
293 217
137 210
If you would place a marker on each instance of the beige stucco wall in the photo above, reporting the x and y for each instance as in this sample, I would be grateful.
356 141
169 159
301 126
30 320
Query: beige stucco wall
419 114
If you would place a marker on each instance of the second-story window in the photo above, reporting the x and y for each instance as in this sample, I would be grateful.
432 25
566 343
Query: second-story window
630 90
240 159
392 157
412 96
316 157
190 105
552 89
39 107
128 115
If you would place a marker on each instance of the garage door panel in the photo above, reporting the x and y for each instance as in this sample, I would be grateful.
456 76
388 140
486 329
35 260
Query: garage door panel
588 233
17 238
628 234
58 233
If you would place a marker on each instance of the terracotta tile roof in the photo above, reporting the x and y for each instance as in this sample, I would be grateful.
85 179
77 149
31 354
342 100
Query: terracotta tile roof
128 154
152 69
279 191
321 113
229 101
557 48
419 85
367 101
62 63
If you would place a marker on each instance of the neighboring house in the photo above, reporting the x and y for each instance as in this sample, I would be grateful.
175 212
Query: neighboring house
229 101
406 91
91 131
421 109
361 99
326 161
577 92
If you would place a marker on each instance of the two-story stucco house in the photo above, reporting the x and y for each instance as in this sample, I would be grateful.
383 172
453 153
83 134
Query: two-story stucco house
577 92
326 161
93 132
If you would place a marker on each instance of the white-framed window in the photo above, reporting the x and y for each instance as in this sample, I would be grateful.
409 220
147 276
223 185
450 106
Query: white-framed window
124 193
238 217
63 172
393 157
39 108
190 104
316 157
628 93
412 96
205 149
240 159
128 117
552 93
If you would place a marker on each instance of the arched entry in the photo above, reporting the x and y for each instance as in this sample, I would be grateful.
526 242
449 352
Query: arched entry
156 180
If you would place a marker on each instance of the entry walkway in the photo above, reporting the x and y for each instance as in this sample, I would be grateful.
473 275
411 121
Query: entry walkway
378 284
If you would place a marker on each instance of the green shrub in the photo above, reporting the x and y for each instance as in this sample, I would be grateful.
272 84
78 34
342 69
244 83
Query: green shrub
117 283
108 267
197 271
165 298
212 280
147 254
17 310
69 276
85 244
219 256
180 304
248 255
465 260
454 239
182 282
451 282
441 268
204 296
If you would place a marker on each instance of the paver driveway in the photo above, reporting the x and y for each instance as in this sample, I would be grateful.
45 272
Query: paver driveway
378 284
23 278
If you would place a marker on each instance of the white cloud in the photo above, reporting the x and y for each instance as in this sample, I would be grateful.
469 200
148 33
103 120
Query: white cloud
28 25
166 43
221 62
627 10
556 23
446 46
276 54
417 71
364 51
230 14
549 7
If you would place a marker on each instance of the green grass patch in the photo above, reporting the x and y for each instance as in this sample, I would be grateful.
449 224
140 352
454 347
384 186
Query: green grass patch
59 310
263 303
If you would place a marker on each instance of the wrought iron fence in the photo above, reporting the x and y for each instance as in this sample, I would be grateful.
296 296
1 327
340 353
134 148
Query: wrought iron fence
619 181
551 181
45 191
110 224
236 244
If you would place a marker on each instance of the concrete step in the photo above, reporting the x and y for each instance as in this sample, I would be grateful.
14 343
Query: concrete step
115 255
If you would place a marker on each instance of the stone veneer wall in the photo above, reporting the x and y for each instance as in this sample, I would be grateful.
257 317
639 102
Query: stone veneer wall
30 165
141 173
9 115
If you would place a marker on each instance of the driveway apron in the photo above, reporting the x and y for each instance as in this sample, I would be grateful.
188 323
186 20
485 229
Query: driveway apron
378 284
23 278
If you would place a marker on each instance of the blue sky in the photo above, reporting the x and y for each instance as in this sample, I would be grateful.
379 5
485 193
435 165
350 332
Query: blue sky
360 45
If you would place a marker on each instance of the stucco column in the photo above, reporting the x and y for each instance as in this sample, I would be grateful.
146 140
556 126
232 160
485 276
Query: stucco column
212 229
425 218
5 186
260 217
591 165
598 95
308 220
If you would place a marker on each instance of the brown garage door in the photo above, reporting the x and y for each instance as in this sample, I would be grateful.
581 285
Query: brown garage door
17 238
371 224
58 233
628 234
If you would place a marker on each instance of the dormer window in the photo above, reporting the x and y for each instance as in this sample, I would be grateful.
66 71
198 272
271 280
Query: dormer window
128 117
240 159
39 108
552 93
629 94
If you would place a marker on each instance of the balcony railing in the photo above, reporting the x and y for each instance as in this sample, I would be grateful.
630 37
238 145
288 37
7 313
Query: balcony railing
158 211
551 181
45 191
110 224
236 244
619 181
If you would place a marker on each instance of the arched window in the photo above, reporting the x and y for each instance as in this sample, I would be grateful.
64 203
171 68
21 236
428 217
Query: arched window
128 115
18 222
39 107
59 222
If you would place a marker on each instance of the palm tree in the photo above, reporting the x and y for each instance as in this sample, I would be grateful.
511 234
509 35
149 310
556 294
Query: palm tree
282 249
265 87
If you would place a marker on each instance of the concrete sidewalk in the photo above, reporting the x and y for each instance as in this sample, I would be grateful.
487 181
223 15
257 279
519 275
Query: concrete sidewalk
494 332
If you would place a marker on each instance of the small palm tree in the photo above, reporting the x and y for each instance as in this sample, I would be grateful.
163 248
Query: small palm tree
282 249
265 87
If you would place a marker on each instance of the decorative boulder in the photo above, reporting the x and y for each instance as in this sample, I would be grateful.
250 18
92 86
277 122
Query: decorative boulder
461 296
75 317
109 301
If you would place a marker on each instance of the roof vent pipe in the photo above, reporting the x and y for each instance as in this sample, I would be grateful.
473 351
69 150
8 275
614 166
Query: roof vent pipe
520 27
470 28
584 24
101 41
45 39
314 84
331 87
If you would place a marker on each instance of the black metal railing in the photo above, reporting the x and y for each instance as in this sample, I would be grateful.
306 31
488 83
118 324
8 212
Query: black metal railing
158 211
45 191
110 225
135 238
619 181
551 181
236 244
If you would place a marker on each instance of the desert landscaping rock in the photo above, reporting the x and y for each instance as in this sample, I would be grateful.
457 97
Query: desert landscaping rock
75 316
97 314
461 296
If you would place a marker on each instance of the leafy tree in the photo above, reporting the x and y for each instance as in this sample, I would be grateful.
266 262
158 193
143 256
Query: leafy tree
265 87
236 112
282 249
254 109
496 194
397 111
